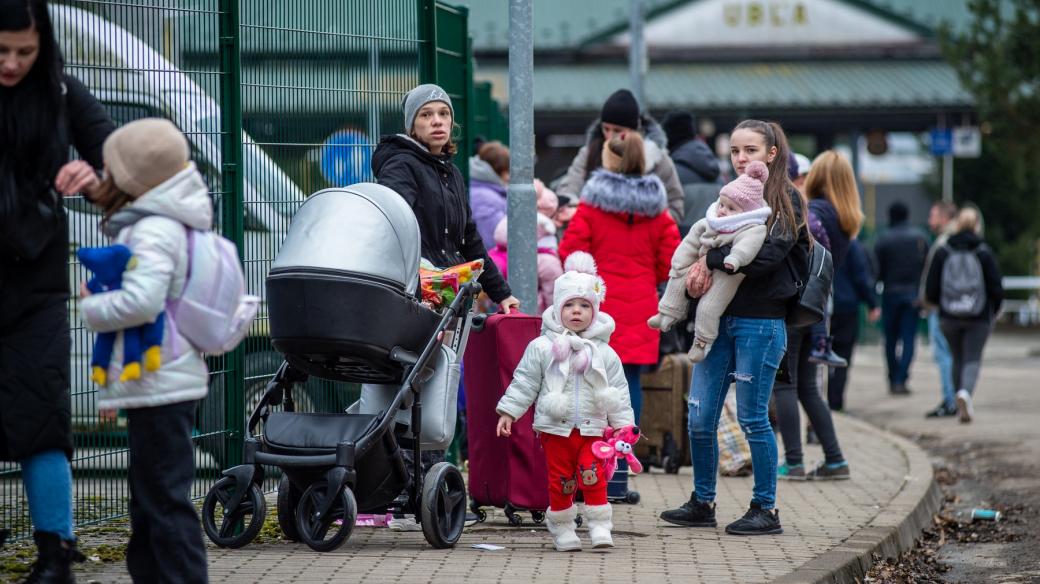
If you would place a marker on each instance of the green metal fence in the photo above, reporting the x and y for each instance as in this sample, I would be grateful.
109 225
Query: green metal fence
279 99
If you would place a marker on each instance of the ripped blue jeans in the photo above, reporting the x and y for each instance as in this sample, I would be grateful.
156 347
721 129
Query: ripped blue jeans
748 352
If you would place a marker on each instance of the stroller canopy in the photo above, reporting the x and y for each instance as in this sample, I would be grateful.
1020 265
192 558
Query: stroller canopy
364 229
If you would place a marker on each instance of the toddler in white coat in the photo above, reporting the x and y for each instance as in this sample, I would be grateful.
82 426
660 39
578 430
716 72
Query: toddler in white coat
577 385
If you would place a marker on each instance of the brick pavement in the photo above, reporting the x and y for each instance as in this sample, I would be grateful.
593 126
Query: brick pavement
817 517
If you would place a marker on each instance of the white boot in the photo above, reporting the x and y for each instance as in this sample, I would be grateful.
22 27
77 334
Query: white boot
600 522
561 525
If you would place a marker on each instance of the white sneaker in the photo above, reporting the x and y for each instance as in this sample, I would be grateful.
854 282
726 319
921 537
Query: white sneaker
404 523
964 406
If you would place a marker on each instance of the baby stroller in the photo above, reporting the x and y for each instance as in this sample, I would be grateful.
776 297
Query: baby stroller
343 305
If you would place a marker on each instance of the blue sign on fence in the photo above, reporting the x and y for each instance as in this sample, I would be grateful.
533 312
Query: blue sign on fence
346 158
942 142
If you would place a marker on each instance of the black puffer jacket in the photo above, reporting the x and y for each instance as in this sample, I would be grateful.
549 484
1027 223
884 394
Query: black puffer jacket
900 252
828 217
34 328
695 162
434 189
769 283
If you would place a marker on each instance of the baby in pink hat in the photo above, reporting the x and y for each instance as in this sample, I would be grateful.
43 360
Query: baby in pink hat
737 219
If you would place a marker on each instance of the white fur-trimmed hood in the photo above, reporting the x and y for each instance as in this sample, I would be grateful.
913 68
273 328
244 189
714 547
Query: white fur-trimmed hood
618 193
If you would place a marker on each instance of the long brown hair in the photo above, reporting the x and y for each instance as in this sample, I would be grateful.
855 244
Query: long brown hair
110 198
630 150
778 186
831 178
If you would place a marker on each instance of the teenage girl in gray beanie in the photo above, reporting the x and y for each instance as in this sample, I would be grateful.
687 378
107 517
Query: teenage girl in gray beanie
417 165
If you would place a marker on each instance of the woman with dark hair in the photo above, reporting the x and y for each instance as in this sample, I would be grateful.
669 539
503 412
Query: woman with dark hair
43 111
751 342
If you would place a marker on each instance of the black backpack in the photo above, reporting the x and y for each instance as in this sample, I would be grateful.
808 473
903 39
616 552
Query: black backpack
809 305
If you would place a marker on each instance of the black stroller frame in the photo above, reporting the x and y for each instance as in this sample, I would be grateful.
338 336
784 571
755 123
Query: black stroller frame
331 461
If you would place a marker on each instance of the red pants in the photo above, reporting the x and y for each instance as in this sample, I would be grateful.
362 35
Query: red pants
572 466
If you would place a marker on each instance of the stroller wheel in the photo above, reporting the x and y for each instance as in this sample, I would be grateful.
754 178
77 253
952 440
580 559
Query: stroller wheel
288 501
233 528
325 532
443 505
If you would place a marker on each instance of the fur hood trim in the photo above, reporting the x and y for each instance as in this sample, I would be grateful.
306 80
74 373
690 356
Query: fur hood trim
617 193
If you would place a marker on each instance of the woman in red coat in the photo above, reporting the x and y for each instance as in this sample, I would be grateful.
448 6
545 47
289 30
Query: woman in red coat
623 222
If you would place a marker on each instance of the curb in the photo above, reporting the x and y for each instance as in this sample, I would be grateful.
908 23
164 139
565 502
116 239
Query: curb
890 533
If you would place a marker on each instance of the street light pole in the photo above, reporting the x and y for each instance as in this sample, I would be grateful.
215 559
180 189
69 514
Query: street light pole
637 51
522 235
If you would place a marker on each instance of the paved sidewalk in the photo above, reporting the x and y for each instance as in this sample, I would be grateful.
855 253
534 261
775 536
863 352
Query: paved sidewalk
820 520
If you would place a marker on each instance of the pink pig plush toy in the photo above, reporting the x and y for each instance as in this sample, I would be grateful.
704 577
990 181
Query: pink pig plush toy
618 444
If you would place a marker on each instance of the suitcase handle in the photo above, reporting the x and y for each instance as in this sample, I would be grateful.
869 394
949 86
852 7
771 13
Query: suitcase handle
477 322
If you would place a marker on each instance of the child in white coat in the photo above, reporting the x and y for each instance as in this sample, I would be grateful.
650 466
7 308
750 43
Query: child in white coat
577 384
737 219
150 194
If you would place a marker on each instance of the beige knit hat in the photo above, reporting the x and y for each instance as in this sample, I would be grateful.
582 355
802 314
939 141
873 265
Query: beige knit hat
144 154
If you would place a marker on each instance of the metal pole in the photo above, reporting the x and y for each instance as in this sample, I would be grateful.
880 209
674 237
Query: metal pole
947 168
637 64
522 235
232 214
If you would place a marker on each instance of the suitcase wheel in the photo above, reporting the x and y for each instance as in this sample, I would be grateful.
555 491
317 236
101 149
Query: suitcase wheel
632 497
480 513
514 518
538 517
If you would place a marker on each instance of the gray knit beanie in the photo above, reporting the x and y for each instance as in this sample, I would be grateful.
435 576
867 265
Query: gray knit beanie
420 96
144 154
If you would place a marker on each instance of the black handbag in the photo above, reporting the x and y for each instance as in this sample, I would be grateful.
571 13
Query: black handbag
809 305
30 226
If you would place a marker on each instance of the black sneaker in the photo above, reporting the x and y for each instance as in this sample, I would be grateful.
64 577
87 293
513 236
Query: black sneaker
942 411
692 513
756 521
899 389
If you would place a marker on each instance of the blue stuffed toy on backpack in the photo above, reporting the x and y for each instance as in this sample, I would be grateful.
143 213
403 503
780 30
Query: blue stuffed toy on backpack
141 344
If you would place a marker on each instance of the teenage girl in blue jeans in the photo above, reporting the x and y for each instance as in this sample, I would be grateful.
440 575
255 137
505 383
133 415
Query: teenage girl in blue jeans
751 343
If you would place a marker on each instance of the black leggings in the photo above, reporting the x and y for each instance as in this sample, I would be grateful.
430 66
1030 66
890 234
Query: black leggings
967 338
802 388
844 329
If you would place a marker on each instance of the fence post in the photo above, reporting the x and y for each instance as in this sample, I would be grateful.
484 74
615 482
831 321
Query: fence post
428 35
232 210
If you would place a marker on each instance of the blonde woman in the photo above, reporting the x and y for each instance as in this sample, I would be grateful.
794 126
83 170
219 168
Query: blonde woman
964 281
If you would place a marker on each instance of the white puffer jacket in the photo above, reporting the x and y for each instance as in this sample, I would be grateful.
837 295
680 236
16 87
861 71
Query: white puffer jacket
153 227
565 399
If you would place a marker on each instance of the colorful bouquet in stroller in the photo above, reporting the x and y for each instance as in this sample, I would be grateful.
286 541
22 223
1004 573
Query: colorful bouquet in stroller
440 285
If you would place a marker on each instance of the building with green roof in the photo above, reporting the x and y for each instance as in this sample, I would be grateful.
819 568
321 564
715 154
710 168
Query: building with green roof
829 70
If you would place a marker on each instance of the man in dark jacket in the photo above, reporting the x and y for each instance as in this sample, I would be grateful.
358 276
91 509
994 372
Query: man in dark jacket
696 165
901 253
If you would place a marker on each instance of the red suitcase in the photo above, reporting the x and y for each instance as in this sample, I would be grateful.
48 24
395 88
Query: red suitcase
503 472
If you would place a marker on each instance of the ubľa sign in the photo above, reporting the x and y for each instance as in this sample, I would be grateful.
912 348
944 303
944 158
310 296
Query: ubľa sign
765 23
